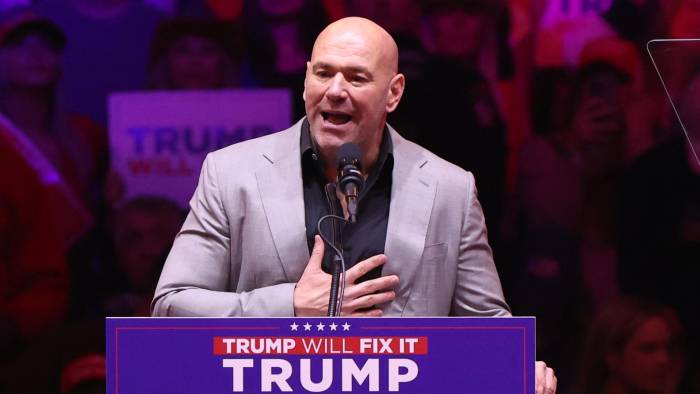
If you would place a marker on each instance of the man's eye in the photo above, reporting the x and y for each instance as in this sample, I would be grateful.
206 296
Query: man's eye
358 79
323 74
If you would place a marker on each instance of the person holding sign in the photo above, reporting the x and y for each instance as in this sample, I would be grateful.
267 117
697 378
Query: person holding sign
418 248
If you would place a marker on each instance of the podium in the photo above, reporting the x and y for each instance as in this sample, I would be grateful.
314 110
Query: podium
333 355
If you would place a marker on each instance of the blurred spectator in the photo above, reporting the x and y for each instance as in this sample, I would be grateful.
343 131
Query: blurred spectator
281 34
144 229
457 114
641 116
30 55
660 221
585 163
131 253
66 151
190 54
564 242
633 346
106 49
33 272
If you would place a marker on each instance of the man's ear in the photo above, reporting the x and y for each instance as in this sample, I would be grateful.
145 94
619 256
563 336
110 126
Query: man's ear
308 68
396 87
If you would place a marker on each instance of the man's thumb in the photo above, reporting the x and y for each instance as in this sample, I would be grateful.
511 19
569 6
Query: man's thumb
317 253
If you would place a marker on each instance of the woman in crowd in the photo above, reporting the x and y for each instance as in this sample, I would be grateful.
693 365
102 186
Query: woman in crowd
192 54
633 346
30 71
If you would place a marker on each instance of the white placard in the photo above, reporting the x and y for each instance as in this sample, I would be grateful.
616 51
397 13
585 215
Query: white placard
158 140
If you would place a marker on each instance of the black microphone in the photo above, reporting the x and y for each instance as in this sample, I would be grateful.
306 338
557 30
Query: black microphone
350 179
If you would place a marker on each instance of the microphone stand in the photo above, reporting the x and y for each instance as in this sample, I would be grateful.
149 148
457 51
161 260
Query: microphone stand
337 263
335 286
338 270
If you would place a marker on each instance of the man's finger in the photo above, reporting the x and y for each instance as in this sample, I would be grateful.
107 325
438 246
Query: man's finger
550 382
316 254
540 377
368 313
371 286
371 300
363 267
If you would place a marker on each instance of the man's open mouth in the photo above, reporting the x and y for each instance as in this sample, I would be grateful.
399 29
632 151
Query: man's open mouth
336 118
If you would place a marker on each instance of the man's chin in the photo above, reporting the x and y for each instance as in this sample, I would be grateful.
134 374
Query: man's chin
331 138
330 144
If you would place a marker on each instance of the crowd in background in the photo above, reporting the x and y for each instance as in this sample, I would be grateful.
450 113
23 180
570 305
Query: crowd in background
590 187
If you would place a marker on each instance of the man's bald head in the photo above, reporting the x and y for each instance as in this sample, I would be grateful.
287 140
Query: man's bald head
364 32
351 85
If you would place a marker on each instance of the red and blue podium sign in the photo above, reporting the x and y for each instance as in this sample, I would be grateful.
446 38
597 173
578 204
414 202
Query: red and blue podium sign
332 355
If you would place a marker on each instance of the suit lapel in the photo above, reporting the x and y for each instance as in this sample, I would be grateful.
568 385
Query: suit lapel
412 195
282 195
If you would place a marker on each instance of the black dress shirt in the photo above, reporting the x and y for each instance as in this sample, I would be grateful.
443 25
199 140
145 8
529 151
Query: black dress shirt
367 236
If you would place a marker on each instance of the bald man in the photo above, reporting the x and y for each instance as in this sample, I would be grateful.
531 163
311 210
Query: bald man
248 246
419 248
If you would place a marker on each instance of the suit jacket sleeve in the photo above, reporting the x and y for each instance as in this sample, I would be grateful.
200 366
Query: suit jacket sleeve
478 289
205 260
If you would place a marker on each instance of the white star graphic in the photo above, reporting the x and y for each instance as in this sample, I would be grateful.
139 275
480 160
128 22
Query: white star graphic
333 326
294 326
319 327
346 327
307 327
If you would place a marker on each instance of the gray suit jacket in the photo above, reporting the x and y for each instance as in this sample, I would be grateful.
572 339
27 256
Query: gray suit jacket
243 245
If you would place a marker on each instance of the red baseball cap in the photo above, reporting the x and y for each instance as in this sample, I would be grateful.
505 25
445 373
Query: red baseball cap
621 54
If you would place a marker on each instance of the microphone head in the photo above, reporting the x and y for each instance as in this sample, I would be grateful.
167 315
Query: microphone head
348 153
350 179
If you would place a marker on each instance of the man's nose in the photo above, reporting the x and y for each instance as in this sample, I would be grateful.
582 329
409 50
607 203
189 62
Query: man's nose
337 90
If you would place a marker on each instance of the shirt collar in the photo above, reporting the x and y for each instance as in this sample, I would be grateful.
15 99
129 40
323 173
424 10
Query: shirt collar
308 148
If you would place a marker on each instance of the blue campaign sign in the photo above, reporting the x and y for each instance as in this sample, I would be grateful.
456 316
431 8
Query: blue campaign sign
250 355
158 140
